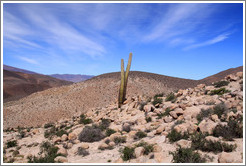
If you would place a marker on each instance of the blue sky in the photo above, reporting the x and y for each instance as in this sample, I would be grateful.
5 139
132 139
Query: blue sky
183 40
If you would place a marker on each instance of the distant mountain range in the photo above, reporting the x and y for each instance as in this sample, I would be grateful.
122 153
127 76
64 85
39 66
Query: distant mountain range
72 77
66 77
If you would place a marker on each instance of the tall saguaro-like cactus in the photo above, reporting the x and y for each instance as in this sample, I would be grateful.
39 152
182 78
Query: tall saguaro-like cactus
124 79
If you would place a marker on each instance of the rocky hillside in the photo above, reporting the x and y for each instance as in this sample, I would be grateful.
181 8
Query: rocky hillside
17 84
200 124
64 102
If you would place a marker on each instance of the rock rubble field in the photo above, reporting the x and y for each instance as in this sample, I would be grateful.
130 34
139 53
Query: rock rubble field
194 125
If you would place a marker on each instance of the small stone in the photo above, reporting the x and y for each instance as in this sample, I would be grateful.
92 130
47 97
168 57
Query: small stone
103 146
56 139
184 143
111 144
61 159
215 118
64 137
139 151
35 131
160 129
62 151
84 146
72 136
157 148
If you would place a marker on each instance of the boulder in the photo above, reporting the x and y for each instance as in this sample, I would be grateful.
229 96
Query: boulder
184 143
64 137
207 126
232 157
139 151
61 159
72 136
84 146
62 151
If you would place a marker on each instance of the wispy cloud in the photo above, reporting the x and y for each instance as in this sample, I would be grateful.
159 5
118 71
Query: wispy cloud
28 60
217 39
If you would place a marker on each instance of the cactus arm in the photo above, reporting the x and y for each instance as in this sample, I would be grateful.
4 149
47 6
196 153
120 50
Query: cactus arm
126 75
121 91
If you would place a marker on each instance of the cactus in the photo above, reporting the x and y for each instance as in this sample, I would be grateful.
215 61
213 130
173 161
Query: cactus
124 79
121 92
126 75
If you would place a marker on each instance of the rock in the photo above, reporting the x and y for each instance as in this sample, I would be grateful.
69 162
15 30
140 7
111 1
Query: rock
160 129
64 137
141 159
139 151
148 108
161 139
184 143
103 146
212 138
56 139
159 157
35 131
191 111
111 144
84 146
232 157
215 118
61 159
157 148
69 145
62 151
168 119
119 160
72 136
207 126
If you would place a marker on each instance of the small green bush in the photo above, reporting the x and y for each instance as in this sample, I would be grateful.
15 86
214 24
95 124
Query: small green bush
157 101
127 153
186 155
82 152
11 144
174 136
203 114
220 84
170 97
233 129
84 120
219 109
49 151
50 132
165 113
59 133
148 148
220 91
159 95
140 134
91 134
104 124
142 104
119 140
148 119
48 125
109 132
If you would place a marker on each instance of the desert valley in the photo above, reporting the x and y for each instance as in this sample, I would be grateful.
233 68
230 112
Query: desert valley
163 119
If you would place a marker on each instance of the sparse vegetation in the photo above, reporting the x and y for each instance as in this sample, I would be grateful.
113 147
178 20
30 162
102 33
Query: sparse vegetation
142 104
220 91
157 100
104 124
91 134
126 128
174 136
220 84
49 151
140 134
84 120
11 144
186 155
127 153
233 129
109 132
148 119
165 113
170 97
48 125
204 114
82 152
148 148
54 131
119 140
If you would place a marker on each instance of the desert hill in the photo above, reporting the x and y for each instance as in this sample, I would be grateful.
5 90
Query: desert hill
194 125
72 77
63 102
11 68
17 84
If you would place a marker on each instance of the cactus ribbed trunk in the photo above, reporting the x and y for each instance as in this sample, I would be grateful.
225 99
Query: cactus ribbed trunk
121 91
124 79
126 75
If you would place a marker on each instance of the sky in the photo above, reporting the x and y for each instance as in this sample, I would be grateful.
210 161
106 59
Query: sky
186 40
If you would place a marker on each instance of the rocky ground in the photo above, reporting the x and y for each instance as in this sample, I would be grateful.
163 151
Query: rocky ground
201 124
